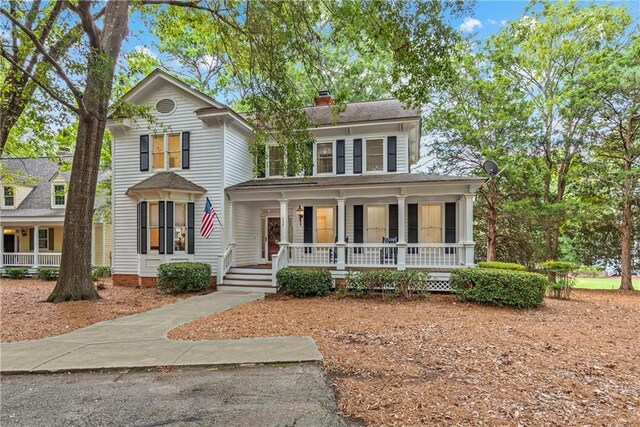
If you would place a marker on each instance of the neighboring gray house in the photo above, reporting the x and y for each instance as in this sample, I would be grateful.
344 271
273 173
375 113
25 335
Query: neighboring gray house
362 205
32 207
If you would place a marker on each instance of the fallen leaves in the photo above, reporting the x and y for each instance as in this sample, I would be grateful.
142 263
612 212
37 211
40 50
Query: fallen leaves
439 361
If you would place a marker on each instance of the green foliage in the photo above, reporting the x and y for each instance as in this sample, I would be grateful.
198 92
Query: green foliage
182 277
15 273
559 267
48 273
589 271
501 265
100 271
517 289
302 282
563 280
389 283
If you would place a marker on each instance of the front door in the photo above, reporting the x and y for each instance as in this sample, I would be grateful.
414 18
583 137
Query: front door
9 243
273 237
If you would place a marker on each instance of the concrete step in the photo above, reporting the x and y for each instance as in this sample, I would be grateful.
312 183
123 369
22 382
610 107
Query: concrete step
236 282
241 288
240 270
248 277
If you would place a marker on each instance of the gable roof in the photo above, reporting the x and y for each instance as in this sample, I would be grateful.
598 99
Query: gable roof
166 181
357 112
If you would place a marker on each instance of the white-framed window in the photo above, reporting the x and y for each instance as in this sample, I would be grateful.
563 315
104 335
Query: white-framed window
43 238
166 151
325 232
8 194
374 155
376 223
431 223
180 227
324 157
59 195
154 226
276 161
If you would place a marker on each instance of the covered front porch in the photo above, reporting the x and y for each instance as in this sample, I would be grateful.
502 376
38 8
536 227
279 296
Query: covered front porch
427 226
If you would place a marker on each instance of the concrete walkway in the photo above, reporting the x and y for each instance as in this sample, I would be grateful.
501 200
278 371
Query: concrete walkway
140 341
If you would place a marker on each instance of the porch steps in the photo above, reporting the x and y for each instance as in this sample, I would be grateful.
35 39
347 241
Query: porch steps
248 280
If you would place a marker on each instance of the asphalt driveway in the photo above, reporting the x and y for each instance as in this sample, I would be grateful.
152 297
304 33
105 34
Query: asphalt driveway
245 396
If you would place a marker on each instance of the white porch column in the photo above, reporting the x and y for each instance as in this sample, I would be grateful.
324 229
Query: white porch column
468 241
36 241
1 246
402 238
341 245
284 221
232 234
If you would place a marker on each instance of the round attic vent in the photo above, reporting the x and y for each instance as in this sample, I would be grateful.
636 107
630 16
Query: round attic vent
165 106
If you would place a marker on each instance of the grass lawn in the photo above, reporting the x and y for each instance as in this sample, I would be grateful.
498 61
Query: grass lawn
603 282
438 361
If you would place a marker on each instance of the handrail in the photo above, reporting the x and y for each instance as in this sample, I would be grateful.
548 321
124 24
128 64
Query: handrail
225 262
278 262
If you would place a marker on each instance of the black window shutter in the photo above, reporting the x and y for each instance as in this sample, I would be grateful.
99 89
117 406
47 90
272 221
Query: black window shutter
143 227
161 227
144 153
186 142
393 221
261 162
449 224
169 227
30 239
308 171
290 167
138 228
357 155
191 235
51 239
392 154
340 163
412 216
358 223
308 224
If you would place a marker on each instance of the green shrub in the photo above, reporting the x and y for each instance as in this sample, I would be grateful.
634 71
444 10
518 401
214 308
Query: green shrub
502 265
518 289
100 271
304 282
181 277
389 283
589 271
15 273
48 273
562 280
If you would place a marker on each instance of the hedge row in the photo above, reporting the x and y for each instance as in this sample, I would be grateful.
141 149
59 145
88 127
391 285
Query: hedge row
502 265
516 289
181 277
304 282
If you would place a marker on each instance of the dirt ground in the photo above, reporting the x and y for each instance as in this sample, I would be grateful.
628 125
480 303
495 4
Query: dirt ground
25 316
438 361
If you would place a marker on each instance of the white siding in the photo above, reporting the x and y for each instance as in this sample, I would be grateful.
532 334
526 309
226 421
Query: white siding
246 220
205 170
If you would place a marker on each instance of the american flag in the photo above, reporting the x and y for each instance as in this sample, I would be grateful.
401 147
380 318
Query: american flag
207 219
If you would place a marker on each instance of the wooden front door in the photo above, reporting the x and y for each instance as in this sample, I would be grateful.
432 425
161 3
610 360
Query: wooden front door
273 237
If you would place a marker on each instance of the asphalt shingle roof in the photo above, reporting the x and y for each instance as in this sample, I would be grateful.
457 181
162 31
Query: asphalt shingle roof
384 109
167 181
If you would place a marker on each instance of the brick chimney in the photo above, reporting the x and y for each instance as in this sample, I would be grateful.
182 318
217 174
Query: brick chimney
323 98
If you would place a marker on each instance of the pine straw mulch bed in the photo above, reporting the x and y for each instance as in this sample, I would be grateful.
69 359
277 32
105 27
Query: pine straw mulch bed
24 314
437 361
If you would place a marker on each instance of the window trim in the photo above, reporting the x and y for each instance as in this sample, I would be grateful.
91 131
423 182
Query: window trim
46 248
315 222
267 171
4 196
149 203
365 220
442 227
333 158
365 141
165 151
186 227
53 195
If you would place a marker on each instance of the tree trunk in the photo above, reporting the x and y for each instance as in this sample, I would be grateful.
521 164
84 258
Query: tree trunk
491 232
626 233
75 281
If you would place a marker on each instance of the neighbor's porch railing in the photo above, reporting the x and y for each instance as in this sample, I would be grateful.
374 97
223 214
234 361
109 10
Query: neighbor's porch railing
26 259
375 255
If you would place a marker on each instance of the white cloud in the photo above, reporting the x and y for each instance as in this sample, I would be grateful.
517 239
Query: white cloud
470 24
145 51
504 22
492 21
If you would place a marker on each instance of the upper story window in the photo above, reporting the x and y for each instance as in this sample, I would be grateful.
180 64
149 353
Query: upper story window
166 151
431 224
9 196
59 195
324 157
375 155
276 161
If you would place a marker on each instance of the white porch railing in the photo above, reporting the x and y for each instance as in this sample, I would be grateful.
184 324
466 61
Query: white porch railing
376 255
312 254
434 255
225 262
278 262
26 259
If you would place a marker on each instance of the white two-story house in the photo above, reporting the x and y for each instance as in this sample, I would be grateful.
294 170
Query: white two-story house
362 206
